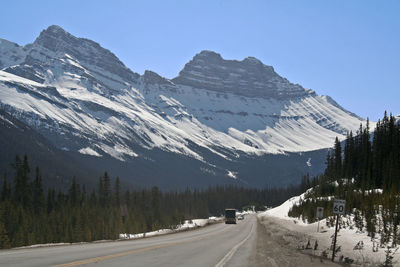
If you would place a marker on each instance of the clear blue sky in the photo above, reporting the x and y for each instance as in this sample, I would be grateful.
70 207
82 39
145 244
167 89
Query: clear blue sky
349 50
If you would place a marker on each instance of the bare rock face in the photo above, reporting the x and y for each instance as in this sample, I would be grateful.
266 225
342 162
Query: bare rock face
26 71
10 53
88 52
150 77
249 77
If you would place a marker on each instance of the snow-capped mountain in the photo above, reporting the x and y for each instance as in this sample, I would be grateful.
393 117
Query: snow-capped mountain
83 99
247 106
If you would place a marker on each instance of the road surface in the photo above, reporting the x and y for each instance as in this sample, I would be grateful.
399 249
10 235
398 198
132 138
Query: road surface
248 243
216 245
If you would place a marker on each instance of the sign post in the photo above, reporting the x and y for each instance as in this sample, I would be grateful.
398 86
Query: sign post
320 215
338 209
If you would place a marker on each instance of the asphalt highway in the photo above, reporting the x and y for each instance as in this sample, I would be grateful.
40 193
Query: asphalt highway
215 245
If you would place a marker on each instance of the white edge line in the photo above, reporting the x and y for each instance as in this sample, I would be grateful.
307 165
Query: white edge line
229 255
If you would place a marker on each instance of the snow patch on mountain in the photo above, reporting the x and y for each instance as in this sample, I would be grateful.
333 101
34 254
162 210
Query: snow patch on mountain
232 174
89 151
7 121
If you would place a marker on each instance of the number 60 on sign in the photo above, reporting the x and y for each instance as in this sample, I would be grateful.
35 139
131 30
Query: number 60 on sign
338 206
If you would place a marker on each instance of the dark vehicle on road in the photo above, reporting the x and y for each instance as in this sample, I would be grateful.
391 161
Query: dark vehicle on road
230 216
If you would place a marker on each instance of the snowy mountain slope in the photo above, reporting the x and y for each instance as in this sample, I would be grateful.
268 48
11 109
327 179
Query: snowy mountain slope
254 125
253 113
84 99
57 167
88 99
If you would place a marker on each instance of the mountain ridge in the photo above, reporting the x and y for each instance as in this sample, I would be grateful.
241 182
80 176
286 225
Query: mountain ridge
248 77
83 99
57 40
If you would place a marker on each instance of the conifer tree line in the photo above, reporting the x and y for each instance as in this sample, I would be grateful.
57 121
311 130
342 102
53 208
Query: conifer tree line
29 214
366 173
372 163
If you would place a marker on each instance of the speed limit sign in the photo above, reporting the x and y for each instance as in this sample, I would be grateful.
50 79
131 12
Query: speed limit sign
338 206
320 212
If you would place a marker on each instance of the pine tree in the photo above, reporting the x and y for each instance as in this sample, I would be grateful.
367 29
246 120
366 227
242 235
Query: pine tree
349 156
117 192
107 189
38 196
101 191
20 182
4 239
74 193
156 207
6 190
50 200
338 159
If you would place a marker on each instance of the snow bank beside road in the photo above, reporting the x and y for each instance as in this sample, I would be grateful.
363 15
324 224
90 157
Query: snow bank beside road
354 244
283 210
187 225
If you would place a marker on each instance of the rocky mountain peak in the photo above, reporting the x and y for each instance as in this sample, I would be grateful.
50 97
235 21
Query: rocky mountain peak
207 54
56 29
254 61
87 52
6 45
249 77
150 77
10 53
55 38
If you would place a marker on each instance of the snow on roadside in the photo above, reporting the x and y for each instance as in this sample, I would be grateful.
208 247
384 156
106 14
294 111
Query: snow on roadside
187 225
283 210
353 244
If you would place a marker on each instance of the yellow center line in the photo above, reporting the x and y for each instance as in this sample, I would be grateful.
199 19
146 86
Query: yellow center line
112 256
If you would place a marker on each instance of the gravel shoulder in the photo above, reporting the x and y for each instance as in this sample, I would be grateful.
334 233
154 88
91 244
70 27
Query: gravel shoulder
277 245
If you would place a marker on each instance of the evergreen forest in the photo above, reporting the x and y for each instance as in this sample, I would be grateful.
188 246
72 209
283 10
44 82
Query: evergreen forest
31 214
364 171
